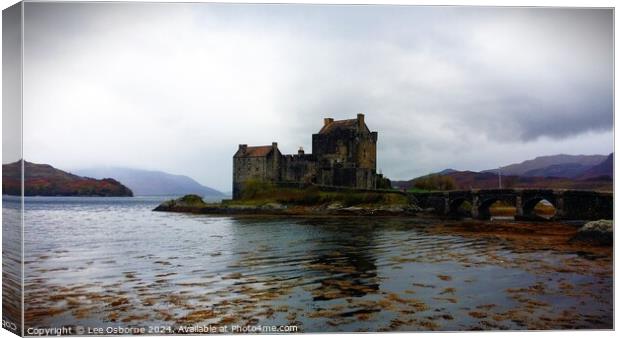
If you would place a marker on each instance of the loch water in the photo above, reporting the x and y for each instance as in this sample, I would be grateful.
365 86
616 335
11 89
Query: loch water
113 262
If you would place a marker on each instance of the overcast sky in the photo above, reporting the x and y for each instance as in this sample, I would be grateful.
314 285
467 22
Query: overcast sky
176 87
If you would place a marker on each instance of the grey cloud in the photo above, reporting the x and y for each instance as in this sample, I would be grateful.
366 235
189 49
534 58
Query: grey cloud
444 86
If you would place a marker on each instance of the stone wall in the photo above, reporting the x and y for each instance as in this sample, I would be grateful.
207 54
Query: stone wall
263 168
367 151
247 168
346 157
298 168
334 148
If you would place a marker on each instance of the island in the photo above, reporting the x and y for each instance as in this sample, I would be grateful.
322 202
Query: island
308 201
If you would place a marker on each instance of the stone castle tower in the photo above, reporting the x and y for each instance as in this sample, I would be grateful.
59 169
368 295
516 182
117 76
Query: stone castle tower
344 154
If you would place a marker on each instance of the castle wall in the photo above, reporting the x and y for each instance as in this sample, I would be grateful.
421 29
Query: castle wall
264 168
366 178
246 168
366 151
347 157
298 168
337 147
326 176
347 177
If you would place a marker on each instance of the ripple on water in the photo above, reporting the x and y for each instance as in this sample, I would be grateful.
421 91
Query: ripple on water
130 265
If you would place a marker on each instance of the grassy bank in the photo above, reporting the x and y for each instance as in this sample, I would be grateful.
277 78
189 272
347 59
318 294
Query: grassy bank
258 194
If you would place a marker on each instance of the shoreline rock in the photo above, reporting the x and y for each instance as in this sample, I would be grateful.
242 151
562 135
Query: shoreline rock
599 232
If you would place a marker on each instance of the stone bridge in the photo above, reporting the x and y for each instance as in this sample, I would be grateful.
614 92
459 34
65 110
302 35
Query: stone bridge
568 204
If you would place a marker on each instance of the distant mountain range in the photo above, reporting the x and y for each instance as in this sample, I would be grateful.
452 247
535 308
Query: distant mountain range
554 172
153 183
553 166
557 171
45 180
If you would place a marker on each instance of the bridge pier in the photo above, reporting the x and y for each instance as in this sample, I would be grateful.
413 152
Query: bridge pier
519 206
559 205
475 206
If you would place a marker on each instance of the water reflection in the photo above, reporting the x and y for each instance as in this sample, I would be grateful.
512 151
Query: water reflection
101 262
346 265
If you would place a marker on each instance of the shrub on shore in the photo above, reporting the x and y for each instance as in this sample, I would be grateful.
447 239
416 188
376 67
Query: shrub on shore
187 201
256 188
435 182
191 200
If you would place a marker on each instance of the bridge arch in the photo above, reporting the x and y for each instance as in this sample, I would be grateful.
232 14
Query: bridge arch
529 207
484 207
456 207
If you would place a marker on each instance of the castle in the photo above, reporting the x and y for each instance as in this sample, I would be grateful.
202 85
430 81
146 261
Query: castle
344 154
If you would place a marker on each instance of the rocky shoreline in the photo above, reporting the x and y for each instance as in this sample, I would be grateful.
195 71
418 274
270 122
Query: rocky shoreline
333 209
598 233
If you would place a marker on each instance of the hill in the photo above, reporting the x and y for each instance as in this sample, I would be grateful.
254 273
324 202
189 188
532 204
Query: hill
602 170
153 183
464 180
447 171
561 165
45 180
567 170
588 172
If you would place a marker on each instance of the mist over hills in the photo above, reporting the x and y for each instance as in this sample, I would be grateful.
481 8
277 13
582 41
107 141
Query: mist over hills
153 183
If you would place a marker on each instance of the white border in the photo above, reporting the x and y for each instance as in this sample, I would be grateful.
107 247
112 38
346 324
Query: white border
498 3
